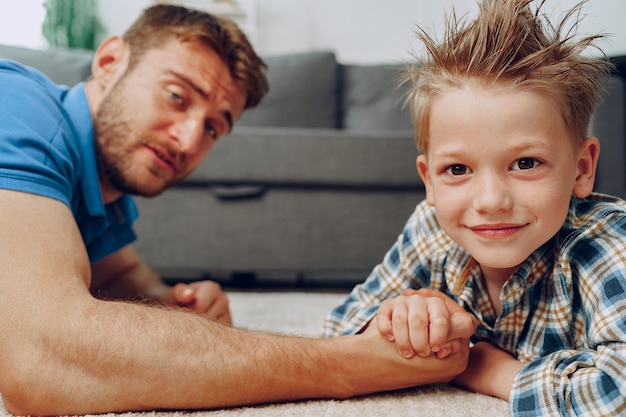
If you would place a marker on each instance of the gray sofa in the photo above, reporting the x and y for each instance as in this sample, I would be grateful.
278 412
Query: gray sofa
312 187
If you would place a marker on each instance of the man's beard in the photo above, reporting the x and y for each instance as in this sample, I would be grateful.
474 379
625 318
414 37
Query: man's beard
113 132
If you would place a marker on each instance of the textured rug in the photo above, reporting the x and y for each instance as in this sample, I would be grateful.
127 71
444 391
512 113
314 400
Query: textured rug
303 313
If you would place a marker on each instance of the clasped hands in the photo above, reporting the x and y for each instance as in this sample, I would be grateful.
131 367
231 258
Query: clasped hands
425 322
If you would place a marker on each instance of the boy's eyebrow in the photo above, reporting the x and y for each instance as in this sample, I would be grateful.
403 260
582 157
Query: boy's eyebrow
523 146
531 145
227 115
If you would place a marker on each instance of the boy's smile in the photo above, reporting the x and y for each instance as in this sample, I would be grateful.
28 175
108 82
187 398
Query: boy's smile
500 170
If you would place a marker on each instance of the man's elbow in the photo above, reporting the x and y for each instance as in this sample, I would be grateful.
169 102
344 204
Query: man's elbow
23 387
25 398
17 395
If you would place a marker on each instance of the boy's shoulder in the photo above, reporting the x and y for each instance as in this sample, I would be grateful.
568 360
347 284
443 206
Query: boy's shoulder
596 207
597 217
424 227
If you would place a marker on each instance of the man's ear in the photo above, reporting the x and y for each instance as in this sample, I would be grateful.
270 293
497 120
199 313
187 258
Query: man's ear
109 62
587 163
422 169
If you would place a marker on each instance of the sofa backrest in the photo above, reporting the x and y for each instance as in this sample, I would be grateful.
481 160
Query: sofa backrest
303 92
607 124
307 90
313 90
63 66
372 99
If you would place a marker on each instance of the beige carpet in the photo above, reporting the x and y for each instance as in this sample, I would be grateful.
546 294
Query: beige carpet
303 313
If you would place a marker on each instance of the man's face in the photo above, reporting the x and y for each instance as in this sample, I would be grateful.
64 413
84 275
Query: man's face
160 120
500 171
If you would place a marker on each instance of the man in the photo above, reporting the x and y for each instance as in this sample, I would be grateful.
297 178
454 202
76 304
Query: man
158 100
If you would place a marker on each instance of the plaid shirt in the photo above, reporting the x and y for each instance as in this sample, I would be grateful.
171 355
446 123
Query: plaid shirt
564 310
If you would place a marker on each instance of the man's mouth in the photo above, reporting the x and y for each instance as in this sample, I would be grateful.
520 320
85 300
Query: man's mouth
166 158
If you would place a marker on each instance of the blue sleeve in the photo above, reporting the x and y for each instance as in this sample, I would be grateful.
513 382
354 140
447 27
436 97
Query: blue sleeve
37 152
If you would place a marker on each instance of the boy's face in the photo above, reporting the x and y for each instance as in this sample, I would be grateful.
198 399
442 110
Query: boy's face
500 170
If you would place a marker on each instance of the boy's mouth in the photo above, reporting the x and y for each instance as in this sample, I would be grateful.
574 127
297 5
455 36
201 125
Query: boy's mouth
496 231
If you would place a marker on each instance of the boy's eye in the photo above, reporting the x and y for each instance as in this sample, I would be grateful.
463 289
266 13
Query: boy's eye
525 163
457 169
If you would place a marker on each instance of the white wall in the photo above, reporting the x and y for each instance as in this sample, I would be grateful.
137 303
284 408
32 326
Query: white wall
20 22
369 31
359 31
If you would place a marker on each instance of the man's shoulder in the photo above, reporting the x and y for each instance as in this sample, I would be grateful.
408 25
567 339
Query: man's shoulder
38 147
11 70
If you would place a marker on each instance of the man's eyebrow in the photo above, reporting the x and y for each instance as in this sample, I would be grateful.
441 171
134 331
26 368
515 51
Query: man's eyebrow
227 115
229 119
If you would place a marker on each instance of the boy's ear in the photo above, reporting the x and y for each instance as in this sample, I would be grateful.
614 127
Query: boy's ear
422 169
587 163
110 61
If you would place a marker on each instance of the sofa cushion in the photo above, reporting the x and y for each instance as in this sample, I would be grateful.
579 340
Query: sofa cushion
372 99
303 92
63 66
313 157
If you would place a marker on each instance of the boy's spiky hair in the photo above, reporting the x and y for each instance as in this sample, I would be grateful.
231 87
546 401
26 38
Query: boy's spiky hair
509 44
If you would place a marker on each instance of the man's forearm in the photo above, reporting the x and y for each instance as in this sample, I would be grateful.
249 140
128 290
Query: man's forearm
123 356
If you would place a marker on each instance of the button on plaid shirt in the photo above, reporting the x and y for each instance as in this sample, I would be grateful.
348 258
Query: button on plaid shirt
564 310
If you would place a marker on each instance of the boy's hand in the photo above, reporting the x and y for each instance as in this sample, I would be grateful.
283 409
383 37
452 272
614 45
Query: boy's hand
424 322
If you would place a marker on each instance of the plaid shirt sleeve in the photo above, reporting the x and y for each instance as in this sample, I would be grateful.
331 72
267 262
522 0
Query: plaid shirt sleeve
404 266
589 377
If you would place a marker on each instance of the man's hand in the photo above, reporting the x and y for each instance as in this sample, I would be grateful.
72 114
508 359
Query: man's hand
204 297
423 322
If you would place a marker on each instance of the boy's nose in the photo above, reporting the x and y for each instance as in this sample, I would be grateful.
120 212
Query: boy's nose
492 194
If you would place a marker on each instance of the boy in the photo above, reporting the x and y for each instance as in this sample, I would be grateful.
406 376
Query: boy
510 228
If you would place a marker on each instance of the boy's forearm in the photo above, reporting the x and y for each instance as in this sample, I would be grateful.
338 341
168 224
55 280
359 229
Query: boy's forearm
490 371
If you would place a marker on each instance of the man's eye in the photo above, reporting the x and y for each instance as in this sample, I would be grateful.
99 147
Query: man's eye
525 163
456 170
210 131
175 97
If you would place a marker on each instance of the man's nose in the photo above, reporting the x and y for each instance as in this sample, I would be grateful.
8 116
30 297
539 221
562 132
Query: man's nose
188 133
492 193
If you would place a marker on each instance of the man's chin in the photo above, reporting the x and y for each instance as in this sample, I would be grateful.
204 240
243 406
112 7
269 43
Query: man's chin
147 193
141 190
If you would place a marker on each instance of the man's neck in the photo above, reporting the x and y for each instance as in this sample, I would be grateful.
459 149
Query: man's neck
109 193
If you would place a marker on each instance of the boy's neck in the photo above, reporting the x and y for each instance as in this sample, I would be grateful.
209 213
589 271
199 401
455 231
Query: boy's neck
494 279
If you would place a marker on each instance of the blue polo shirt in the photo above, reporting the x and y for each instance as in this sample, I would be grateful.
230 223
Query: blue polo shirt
47 148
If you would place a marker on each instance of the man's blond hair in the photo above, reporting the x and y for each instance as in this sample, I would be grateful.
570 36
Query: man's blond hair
509 44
